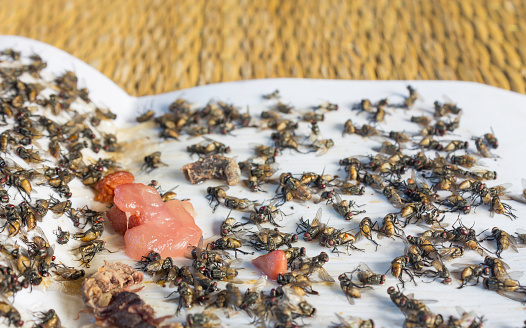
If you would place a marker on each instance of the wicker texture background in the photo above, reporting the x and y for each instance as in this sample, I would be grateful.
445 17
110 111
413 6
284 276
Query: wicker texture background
149 47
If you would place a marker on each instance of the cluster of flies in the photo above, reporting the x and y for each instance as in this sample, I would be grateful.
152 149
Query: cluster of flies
418 199
197 284
418 313
44 138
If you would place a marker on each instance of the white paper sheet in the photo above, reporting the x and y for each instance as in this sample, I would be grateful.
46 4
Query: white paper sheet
483 107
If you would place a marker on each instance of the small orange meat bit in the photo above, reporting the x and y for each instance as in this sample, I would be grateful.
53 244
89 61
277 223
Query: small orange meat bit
272 263
106 186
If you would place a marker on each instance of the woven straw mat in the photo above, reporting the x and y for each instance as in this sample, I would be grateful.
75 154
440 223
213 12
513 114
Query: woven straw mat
149 47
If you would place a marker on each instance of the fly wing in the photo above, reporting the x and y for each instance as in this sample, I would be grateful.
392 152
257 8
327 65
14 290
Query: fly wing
324 275
519 297
364 268
260 284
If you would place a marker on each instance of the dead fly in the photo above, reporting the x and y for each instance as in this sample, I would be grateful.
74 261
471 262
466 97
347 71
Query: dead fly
491 140
410 100
186 296
430 143
353 166
483 175
239 204
504 241
392 196
285 139
104 114
261 171
283 108
420 211
399 137
440 272
464 160
348 127
42 207
253 295
226 271
146 116
501 208
294 253
291 188
28 215
456 145
366 230
379 115
152 162
88 251
92 233
471 272
353 322
498 267
48 319
11 54
153 263
373 180
407 304
390 227
506 287
310 265
265 213
399 266
254 184
271 239
228 243
332 238
230 226
266 151
351 189
456 203
367 131
449 253
13 220
421 120
444 109
8 311
312 230
28 155
320 181
66 272
481 148
208 147
345 208
350 289
321 146
274 95
59 208
40 248
366 276
214 194
230 297
327 106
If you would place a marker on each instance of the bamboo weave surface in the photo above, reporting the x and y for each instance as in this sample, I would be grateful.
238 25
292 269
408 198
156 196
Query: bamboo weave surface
150 47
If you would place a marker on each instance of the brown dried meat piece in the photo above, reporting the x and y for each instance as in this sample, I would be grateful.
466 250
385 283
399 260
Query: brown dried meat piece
128 310
212 167
110 279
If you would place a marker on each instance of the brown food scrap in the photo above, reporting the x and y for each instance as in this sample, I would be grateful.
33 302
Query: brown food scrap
106 186
212 167
126 310
98 289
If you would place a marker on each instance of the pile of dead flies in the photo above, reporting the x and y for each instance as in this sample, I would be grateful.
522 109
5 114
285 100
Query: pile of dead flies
415 201
36 111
